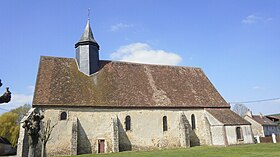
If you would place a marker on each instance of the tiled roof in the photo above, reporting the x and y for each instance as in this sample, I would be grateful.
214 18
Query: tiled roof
227 117
122 84
263 120
273 117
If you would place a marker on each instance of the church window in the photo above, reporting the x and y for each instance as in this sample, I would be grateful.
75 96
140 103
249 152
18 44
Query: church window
63 115
164 120
127 123
193 122
239 134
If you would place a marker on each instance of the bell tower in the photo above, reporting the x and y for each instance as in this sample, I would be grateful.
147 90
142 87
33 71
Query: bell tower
87 52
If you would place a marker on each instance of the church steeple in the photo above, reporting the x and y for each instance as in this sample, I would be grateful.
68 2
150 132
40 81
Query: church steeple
87 52
87 37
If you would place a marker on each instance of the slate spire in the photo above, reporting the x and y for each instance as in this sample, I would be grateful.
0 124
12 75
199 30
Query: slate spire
87 52
87 37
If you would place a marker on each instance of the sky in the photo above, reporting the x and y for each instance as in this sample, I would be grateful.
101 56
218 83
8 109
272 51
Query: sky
235 42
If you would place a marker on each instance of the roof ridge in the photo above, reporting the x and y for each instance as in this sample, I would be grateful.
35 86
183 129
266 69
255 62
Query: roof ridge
157 65
135 63
55 57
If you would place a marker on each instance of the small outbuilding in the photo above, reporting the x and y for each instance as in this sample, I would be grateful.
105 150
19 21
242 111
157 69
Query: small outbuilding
261 125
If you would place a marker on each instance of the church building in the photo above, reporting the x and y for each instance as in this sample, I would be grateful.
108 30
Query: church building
103 106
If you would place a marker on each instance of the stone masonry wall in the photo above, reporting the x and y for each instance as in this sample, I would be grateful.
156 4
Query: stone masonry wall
184 131
22 146
146 129
232 137
115 134
256 127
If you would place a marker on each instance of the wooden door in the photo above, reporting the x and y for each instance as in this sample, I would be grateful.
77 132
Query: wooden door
101 146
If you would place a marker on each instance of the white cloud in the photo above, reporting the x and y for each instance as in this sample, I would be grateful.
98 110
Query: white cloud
18 99
250 19
119 26
277 101
268 19
253 18
143 53
21 99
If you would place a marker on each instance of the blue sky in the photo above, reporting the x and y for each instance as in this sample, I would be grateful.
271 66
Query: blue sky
235 42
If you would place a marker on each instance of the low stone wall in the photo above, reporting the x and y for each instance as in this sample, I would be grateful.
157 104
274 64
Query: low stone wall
268 139
278 138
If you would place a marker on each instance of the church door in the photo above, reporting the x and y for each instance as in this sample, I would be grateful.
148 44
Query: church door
101 146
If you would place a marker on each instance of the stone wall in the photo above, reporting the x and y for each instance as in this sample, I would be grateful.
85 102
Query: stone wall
218 135
60 140
22 145
115 134
226 134
217 130
256 127
184 127
83 128
146 129
246 133
74 138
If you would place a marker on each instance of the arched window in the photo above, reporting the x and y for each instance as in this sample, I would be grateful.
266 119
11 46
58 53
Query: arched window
239 134
63 115
164 122
193 121
127 123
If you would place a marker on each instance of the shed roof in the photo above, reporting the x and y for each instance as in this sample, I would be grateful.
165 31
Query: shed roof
263 120
121 84
273 117
227 117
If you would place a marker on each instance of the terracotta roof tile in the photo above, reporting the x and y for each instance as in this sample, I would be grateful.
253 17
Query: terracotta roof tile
122 84
273 117
263 120
227 117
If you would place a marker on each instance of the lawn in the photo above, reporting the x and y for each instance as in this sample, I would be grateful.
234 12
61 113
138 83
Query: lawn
254 150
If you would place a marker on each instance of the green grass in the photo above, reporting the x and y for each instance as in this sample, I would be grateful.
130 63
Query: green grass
253 150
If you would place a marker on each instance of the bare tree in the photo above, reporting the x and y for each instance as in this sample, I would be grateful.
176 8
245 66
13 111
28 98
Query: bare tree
32 127
45 135
240 109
